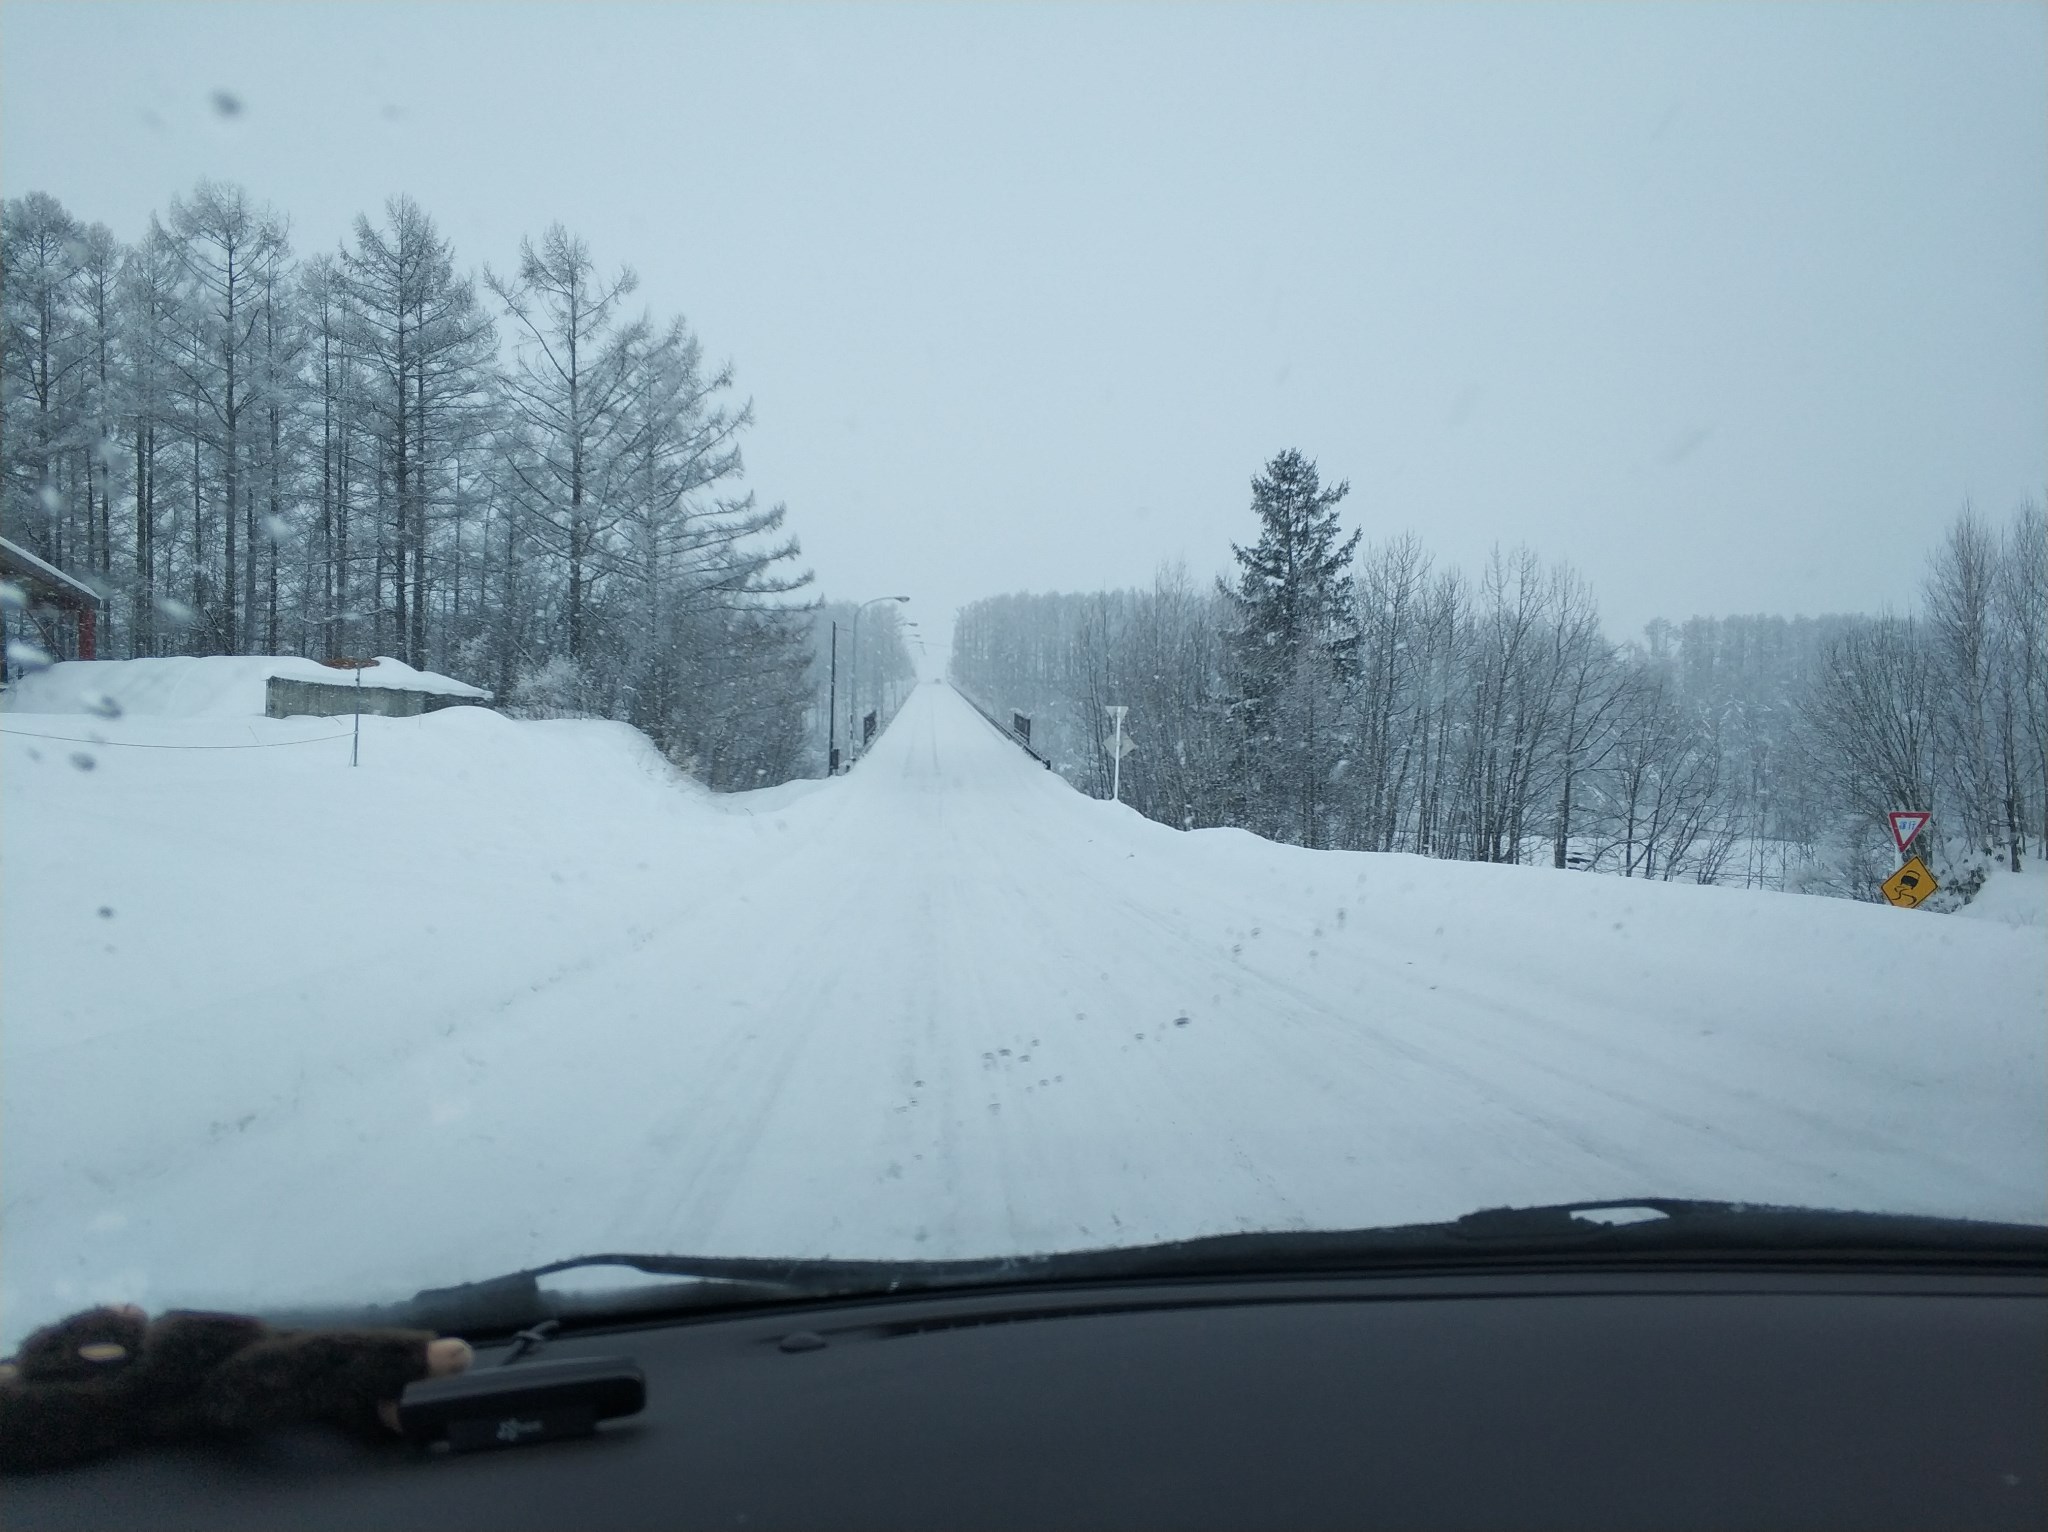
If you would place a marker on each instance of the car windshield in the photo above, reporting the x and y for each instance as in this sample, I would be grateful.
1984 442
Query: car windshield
915 634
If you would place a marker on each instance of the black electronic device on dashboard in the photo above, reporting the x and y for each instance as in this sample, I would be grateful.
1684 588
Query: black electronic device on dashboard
514 1406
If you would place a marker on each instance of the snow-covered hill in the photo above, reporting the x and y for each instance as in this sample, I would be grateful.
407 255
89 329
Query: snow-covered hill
2012 898
277 1029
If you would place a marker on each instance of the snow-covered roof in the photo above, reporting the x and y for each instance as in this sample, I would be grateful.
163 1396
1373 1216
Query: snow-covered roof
189 686
18 560
392 675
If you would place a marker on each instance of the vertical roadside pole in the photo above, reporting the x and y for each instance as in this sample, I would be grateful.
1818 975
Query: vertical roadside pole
1116 770
832 727
1914 883
355 743
853 683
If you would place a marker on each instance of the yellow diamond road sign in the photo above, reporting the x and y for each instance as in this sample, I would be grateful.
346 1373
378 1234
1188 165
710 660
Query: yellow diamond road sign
1910 885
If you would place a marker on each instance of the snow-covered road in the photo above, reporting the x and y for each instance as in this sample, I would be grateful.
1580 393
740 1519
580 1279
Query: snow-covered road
943 1006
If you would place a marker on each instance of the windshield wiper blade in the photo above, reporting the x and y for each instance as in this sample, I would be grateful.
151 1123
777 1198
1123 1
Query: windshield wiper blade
1640 1227
517 1298
1697 1224
1632 1230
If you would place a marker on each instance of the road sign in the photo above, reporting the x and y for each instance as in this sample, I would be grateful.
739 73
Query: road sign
1120 747
1906 824
1117 752
1910 885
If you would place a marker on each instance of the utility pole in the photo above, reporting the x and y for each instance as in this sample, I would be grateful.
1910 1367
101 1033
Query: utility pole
832 723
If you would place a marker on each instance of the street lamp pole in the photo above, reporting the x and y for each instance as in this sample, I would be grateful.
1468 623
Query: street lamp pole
832 712
853 680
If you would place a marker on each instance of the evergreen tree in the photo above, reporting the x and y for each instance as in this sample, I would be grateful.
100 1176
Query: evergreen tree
1293 650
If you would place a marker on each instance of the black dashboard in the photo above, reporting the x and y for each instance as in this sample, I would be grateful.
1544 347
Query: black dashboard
1547 1398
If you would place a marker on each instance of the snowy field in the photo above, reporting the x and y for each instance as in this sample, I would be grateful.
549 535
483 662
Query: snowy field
277 1030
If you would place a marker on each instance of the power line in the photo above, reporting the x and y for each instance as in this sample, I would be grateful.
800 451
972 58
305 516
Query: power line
134 744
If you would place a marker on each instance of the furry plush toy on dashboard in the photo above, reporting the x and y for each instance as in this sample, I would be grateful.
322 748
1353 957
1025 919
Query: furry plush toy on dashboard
111 1379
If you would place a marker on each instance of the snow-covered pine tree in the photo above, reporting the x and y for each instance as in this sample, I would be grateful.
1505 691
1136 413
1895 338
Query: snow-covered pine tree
1293 650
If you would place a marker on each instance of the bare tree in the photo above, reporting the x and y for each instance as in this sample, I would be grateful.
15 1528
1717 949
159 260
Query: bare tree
425 346
224 241
572 386
1592 690
42 354
148 302
2020 603
1875 717
1962 638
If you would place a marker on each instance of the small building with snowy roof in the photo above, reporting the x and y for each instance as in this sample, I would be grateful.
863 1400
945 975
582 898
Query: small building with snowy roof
330 688
238 686
62 611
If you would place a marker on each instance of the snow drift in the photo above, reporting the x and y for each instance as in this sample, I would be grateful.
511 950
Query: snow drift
216 686
280 1030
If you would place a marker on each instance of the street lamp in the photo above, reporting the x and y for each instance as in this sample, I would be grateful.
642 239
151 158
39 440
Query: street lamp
916 637
853 681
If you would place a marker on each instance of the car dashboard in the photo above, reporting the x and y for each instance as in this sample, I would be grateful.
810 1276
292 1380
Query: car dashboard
1581 1398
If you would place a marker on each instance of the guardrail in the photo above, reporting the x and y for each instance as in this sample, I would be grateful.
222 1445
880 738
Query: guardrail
1003 729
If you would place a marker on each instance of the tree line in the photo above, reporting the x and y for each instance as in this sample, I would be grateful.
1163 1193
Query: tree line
511 475
1339 695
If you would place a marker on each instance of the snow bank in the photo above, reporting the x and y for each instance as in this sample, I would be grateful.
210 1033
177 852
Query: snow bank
282 1030
2012 898
210 686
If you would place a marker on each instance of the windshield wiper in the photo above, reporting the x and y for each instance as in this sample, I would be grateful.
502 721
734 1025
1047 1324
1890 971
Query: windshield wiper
1637 1231
1643 1229
517 1300
700 1281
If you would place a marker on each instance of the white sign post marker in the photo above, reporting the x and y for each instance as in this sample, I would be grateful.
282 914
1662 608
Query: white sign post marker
1116 770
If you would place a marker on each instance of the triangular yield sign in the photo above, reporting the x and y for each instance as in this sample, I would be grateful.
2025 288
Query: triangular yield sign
1905 825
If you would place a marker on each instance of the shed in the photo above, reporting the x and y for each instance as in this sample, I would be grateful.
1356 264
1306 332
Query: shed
399 692
64 609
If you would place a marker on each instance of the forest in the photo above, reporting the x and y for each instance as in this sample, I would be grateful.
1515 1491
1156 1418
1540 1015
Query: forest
1338 694
512 475
516 476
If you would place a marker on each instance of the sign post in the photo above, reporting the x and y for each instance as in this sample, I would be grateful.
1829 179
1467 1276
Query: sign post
1915 882
832 721
1117 752
355 744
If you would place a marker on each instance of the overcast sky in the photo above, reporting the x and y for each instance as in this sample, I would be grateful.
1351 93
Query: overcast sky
1731 307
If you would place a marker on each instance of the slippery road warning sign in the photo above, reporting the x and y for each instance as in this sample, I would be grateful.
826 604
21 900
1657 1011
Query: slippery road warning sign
1905 825
1910 885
